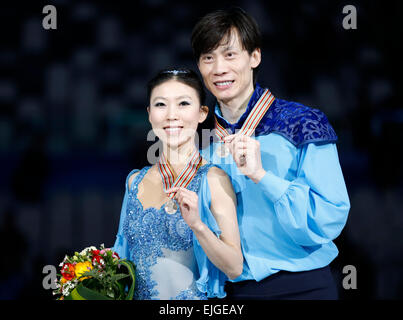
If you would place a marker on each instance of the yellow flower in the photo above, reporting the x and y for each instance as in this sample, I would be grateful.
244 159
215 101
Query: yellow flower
81 268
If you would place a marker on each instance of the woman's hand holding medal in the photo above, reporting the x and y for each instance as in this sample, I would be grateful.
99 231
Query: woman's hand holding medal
188 205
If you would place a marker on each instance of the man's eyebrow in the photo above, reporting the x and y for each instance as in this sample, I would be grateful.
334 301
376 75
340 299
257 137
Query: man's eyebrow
228 47
222 48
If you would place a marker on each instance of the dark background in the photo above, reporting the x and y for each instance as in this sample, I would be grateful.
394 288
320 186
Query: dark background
73 120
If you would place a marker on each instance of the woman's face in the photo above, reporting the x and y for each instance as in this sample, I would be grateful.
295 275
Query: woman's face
175 112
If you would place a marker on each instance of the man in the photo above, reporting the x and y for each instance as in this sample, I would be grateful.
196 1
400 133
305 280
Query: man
283 162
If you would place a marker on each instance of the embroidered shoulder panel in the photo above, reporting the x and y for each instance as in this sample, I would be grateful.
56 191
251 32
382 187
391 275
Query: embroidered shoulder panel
297 123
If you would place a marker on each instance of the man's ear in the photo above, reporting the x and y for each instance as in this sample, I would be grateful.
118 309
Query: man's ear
203 113
256 58
148 110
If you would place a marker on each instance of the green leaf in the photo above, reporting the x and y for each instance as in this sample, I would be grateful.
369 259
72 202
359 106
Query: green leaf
84 293
118 277
131 268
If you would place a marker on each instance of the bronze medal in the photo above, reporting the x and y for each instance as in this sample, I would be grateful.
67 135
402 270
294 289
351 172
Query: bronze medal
171 207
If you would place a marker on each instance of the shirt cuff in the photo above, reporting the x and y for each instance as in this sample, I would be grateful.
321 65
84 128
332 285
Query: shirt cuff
273 186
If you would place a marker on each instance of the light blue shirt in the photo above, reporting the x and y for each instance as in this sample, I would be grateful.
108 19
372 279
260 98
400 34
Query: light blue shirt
288 220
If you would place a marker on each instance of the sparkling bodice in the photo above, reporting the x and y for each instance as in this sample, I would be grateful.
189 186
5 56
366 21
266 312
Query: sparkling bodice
161 246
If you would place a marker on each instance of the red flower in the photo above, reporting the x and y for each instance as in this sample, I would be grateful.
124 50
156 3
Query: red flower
96 258
68 271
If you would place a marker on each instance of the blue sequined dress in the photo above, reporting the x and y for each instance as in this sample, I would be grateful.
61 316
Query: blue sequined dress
167 256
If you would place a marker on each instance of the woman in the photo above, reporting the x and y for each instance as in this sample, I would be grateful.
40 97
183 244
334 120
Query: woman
178 221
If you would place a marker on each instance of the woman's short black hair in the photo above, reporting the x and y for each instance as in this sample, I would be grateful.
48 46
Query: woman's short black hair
216 26
183 75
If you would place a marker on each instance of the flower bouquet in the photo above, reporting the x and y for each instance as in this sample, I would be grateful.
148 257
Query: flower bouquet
95 274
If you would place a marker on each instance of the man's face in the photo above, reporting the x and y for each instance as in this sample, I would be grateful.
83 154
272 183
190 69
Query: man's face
228 70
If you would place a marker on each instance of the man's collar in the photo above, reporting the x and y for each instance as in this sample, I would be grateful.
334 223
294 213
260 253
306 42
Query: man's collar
232 127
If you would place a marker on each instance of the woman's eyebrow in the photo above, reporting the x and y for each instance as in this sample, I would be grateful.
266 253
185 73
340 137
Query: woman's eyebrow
183 97
158 98
177 98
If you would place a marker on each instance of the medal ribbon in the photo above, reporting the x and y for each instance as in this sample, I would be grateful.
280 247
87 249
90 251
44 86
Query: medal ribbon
184 177
253 119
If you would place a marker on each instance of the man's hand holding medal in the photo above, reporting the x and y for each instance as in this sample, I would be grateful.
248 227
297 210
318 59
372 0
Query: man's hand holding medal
246 154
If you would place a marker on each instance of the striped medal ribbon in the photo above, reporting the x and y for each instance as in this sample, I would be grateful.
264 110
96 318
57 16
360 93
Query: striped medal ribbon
250 124
184 178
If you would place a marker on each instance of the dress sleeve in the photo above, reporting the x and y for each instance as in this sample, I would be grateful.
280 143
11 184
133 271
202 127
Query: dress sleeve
211 279
313 208
227 164
121 246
